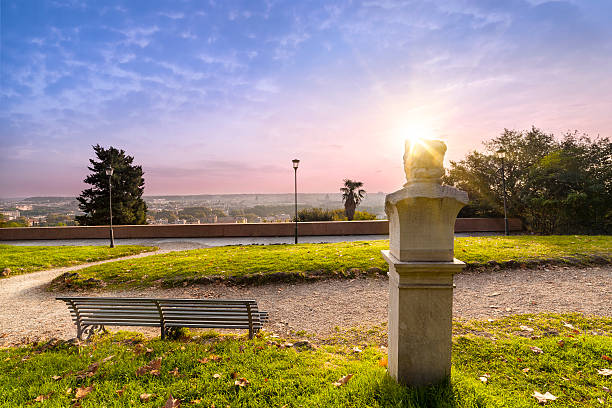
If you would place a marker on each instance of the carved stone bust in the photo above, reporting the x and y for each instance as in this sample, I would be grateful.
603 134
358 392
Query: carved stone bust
423 161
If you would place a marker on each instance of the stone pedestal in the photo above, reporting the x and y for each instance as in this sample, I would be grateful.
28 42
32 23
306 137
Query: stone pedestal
420 319
421 266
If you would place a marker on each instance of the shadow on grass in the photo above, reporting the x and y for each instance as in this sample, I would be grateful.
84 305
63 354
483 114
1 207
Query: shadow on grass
444 395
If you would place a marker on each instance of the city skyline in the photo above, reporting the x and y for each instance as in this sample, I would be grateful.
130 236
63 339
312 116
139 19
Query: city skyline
217 98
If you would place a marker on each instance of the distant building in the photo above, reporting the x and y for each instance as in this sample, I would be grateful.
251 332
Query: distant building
24 207
10 215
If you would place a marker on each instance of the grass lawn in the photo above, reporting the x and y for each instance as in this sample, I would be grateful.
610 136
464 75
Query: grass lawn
25 259
243 262
125 370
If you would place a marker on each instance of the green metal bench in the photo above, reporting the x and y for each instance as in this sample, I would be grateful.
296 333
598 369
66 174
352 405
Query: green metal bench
92 314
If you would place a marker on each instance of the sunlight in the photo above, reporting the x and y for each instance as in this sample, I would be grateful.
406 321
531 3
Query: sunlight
414 131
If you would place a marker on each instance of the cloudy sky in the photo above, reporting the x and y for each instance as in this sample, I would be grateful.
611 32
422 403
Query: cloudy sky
219 96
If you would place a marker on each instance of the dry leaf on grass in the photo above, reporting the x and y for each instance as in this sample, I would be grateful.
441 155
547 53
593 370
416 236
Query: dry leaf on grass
543 398
536 350
152 368
141 349
212 357
121 391
216 375
41 398
526 328
175 372
171 402
145 397
105 359
88 372
56 377
604 357
383 362
343 380
357 350
605 372
241 382
83 391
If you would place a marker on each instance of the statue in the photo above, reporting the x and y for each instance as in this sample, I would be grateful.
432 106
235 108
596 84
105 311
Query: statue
424 161
421 266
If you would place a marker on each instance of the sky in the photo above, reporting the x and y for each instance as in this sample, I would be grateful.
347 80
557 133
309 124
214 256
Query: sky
219 96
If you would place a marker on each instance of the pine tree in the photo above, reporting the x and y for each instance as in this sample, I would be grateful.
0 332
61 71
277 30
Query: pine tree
127 187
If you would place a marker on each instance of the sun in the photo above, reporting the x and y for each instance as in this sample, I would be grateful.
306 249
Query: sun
414 131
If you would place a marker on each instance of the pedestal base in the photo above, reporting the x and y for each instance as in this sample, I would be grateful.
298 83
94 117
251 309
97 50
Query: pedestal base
420 320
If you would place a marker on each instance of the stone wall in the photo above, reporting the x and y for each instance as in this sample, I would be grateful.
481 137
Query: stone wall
375 227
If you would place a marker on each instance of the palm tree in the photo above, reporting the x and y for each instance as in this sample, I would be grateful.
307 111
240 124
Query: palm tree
352 194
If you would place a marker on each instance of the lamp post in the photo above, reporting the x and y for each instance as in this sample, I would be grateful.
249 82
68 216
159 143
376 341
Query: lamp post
296 162
501 153
109 173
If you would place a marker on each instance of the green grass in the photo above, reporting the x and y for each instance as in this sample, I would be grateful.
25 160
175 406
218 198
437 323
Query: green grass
25 259
268 262
280 376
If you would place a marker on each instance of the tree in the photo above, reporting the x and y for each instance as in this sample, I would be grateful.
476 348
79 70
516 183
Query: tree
127 187
352 194
553 186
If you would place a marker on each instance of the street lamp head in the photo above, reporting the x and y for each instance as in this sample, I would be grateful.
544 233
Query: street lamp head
109 171
501 153
295 163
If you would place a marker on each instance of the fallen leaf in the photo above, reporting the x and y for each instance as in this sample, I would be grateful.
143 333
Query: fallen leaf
605 371
543 398
604 357
41 398
152 368
121 391
483 379
526 328
82 392
494 294
171 402
526 370
383 362
357 350
145 397
175 372
561 343
241 382
606 389
343 380
69 391
536 350
601 400
216 375
57 377
88 372
104 360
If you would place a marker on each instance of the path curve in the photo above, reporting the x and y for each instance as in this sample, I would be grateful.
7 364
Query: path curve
29 312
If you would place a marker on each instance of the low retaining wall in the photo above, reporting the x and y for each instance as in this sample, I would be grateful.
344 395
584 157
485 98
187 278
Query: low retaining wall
280 229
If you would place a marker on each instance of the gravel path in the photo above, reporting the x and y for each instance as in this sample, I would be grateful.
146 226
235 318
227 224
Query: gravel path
29 312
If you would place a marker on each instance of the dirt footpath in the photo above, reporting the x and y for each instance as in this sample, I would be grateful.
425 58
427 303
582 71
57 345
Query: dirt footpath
29 312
